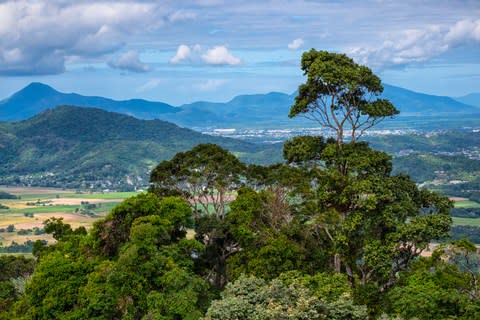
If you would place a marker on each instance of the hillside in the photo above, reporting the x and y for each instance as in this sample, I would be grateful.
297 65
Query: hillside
84 147
244 111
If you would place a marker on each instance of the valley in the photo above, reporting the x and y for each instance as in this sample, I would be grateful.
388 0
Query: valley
21 219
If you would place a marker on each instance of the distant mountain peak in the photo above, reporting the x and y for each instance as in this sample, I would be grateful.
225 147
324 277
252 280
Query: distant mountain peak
37 88
37 97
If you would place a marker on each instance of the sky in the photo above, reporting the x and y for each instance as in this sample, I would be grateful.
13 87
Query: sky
179 51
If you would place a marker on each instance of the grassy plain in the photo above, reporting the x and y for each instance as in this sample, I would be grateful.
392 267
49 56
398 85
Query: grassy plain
466 204
38 204
466 221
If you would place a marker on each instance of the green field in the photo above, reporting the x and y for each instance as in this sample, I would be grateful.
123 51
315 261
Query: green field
467 204
466 221
42 209
108 195
44 203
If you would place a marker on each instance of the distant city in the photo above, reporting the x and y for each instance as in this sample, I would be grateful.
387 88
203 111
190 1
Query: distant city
281 135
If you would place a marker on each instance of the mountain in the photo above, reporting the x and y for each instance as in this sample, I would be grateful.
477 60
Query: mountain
82 147
245 111
415 103
37 97
269 109
471 99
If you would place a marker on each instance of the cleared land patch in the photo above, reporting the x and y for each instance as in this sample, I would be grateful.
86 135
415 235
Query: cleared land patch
39 204
467 204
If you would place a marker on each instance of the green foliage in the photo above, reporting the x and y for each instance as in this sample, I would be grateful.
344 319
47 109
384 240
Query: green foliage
472 233
204 175
303 149
57 228
111 232
443 286
14 271
147 274
254 298
6 195
337 94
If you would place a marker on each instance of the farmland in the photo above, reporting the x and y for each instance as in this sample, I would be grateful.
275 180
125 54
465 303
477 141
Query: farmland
35 205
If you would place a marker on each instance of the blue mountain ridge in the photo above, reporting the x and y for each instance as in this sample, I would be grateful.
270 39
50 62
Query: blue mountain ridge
38 97
472 99
244 110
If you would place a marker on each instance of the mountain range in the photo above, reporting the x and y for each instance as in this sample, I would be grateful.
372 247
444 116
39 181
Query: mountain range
80 147
472 99
257 110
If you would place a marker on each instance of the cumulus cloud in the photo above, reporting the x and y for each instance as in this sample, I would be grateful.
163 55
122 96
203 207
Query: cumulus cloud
220 55
295 44
130 61
417 45
464 31
183 53
37 37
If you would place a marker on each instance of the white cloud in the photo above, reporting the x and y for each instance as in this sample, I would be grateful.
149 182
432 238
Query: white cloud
37 37
464 31
417 45
220 55
130 61
295 44
209 85
183 52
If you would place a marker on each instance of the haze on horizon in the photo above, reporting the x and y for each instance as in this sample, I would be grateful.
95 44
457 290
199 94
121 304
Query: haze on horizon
183 51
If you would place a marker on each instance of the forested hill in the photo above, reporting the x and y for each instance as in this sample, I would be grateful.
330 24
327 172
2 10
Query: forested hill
79 147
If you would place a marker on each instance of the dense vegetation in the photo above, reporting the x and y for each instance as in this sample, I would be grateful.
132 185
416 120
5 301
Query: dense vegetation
330 233
91 148
6 195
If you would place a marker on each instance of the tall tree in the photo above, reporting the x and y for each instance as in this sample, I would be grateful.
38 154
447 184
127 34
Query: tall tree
340 95
207 176
376 223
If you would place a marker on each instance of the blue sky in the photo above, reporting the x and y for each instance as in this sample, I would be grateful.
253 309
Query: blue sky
182 51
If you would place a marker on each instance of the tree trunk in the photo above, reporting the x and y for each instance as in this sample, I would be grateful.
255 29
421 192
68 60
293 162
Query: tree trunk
337 263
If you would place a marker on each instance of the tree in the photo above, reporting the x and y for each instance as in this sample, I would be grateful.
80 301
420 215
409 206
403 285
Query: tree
254 298
147 273
443 286
373 224
304 150
14 272
113 231
205 175
340 95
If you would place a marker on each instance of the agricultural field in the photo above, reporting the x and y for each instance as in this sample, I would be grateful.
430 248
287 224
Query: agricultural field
475 222
23 220
467 204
